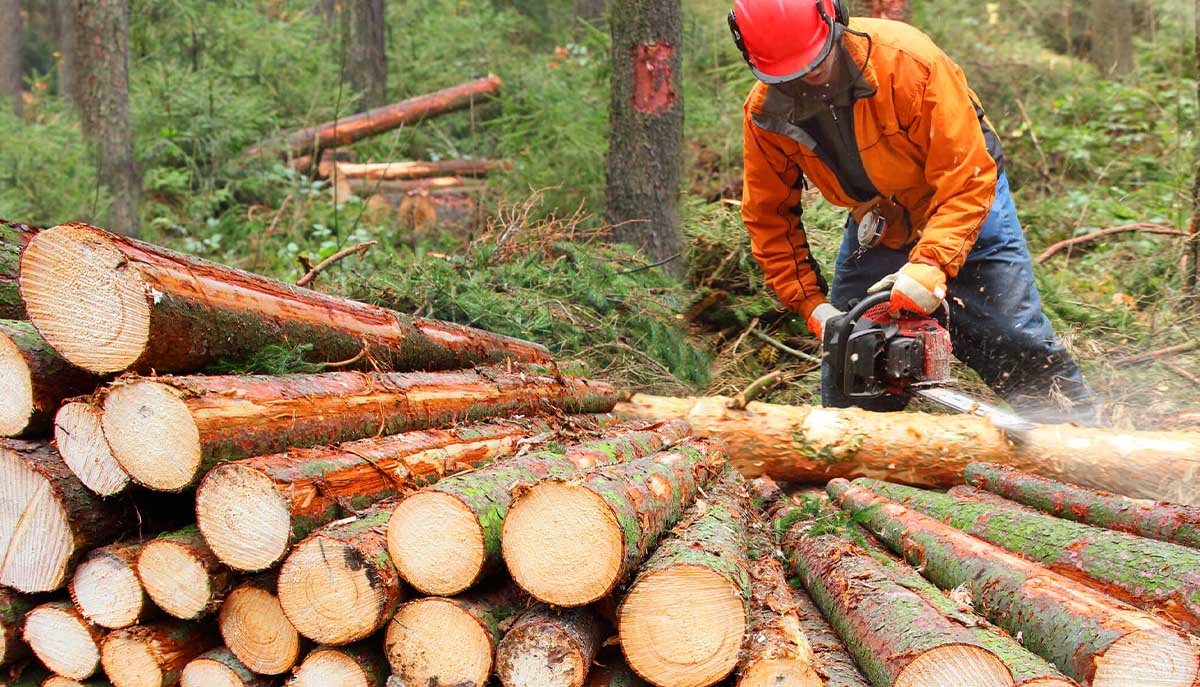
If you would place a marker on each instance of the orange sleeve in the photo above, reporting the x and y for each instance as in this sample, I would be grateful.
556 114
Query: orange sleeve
771 210
957 166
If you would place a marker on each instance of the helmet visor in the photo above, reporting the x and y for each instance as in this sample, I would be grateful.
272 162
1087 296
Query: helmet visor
835 36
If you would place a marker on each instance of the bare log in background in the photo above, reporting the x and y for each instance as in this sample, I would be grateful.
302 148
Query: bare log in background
446 537
813 445
63 640
80 439
220 668
13 608
170 312
182 575
106 588
48 519
255 629
619 513
154 655
168 431
13 238
411 169
550 648
360 665
35 380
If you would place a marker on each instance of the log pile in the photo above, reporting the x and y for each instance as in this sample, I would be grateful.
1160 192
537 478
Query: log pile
458 511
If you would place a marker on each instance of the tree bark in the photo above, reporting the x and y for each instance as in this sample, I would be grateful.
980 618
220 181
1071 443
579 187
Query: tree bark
251 511
685 617
13 609
646 127
169 312
378 171
63 640
106 588
154 655
361 664
1193 277
1160 578
812 445
255 629
1089 636
13 239
451 640
1111 48
169 431
219 667
446 538
49 518
620 510
80 440
182 575
37 380
62 25
102 79
11 82
549 648
834 664
368 53
1169 522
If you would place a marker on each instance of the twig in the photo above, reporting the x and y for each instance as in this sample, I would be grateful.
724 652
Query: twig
1142 227
345 252
270 231
742 336
754 390
1162 352
1182 372
1033 137
660 263
346 363
766 338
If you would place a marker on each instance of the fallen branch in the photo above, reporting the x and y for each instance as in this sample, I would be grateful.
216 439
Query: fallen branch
755 389
345 252
1151 355
768 339
414 169
1181 371
1140 227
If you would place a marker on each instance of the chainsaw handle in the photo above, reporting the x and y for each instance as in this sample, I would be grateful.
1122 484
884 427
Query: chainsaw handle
846 322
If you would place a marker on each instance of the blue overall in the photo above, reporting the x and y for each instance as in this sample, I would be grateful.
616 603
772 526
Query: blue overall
996 321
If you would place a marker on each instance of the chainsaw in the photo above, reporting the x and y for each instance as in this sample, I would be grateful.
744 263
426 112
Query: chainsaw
874 354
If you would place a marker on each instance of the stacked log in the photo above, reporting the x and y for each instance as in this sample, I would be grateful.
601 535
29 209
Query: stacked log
182 575
106 587
35 380
80 440
63 640
13 239
255 629
550 648
360 665
834 664
154 655
220 668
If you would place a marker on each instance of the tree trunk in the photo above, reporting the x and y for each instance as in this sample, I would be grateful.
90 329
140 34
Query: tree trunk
378 171
646 127
106 588
13 239
812 445
1193 277
169 312
255 629
368 53
361 665
451 640
13 609
251 511
169 431
182 575
80 440
154 655
102 77
685 617
620 512
1112 37
63 640
1089 636
48 518
62 26
37 380
1160 578
220 668
591 12
549 648
446 538
834 664
11 82
1169 522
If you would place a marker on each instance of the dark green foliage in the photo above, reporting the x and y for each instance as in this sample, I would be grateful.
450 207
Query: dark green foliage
272 360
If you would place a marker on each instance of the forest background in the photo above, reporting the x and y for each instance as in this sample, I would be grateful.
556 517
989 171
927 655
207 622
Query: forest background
1095 102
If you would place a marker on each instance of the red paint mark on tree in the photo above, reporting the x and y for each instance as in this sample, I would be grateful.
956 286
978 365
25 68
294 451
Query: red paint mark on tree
653 80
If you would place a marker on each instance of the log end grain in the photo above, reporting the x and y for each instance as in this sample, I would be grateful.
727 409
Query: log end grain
63 640
326 666
35 533
257 632
60 681
205 672
540 652
175 579
80 440
436 542
683 625
129 661
1150 657
152 435
955 664
329 592
83 300
772 672
16 379
563 544
243 517
432 641
107 591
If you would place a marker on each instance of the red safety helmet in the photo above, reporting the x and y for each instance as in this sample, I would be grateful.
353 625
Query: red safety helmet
785 39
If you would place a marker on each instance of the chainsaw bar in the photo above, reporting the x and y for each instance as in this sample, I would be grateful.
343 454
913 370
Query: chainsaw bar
1013 426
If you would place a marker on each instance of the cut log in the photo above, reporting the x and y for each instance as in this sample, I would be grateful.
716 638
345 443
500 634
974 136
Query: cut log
109 303
685 618
106 588
548 648
347 130
611 671
13 609
182 575
364 187
255 629
618 513
251 511
81 442
361 665
445 538
13 239
339 585
451 640
153 655
60 681
834 664
415 169
1090 637
35 380
1155 576
63 640
812 445
1169 522
167 431
48 519
220 668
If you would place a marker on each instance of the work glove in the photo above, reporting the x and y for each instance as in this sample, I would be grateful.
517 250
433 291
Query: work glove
917 287
821 315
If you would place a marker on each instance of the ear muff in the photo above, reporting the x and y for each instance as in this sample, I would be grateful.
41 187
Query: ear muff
841 13
737 36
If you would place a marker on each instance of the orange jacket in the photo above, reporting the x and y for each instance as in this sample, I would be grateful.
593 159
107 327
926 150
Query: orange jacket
921 144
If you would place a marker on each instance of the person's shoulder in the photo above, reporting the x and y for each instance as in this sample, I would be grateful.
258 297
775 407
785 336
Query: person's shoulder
899 40
754 101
